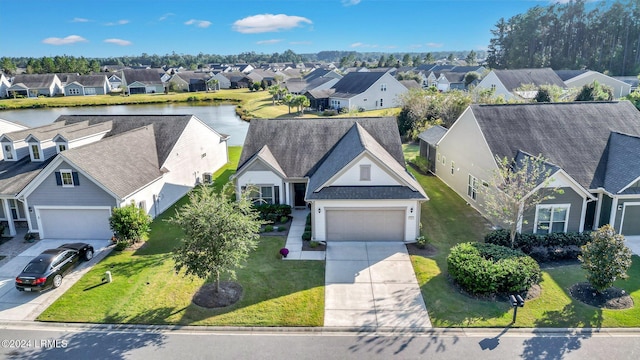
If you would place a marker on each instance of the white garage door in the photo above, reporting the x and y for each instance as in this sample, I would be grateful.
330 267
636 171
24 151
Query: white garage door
81 224
365 225
631 221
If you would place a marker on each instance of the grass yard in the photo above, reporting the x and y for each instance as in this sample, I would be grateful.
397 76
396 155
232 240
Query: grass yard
447 221
146 289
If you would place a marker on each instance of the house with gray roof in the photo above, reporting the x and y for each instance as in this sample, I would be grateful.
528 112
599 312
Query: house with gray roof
142 81
580 78
83 85
349 171
367 90
62 180
507 83
428 140
592 148
34 85
4 85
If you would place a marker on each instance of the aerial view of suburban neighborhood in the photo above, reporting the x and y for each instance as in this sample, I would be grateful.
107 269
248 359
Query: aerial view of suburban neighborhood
327 179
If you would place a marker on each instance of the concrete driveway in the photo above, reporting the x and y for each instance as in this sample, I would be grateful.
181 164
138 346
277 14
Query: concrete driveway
633 243
18 305
372 285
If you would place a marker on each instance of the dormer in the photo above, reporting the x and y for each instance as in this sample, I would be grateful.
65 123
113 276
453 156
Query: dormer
35 148
73 138
8 151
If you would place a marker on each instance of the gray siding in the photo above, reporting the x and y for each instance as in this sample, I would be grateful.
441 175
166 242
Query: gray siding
575 211
86 194
605 211
619 212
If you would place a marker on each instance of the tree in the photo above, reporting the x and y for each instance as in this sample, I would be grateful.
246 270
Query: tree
218 233
605 258
429 59
274 91
7 66
471 58
289 100
382 61
595 92
450 58
213 84
470 77
129 223
406 60
301 102
542 96
515 188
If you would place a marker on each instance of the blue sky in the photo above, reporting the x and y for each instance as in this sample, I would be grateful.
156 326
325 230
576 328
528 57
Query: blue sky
108 28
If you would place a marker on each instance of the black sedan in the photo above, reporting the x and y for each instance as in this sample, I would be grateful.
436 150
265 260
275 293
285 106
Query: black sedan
47 269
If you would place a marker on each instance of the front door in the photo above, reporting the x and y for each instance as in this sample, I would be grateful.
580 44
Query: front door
299 189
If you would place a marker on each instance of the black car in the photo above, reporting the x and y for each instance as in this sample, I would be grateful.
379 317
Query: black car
47 269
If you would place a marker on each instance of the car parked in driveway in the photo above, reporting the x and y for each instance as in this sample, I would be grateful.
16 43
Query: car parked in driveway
47 269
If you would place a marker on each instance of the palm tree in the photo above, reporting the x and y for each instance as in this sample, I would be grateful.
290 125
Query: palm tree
213 83
302 102
274 91
288 99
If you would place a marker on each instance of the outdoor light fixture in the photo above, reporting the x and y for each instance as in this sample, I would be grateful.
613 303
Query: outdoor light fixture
319 210
411 210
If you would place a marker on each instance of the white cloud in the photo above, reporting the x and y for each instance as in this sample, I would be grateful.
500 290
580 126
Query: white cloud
265 42
80 20
362 45
118 42
268 23
435 45
71 39
119 22
350 2
199 23
165 16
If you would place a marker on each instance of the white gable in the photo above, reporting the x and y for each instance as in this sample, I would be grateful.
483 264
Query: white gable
350 175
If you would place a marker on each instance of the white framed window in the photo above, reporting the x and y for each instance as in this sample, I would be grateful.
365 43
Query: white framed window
35 152
90 91
67 178
551 218
493 87
142 205
444 160
438 157
62 147
262 194
472 187
74 91
383 87
453 167
365 172
8 152
381 103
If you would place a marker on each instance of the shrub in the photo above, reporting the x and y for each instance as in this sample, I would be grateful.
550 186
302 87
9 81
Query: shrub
605 258
491 269
329 113
421 242
526 242
284 219
306 235
307 228
129 223
273 212
313 244
281 228
268 228
121 245
308 220
422 163
540 254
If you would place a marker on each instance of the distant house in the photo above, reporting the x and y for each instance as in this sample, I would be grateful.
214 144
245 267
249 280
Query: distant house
142 81
82 85
4 85
34 85
349 171
238 80
223 81
319 99
507 82
580 78
594 162
428 142
366 90
62 180
115 81
450 81
631 80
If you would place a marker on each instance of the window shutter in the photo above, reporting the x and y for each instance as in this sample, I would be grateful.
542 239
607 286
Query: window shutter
58 178
276 194
76 180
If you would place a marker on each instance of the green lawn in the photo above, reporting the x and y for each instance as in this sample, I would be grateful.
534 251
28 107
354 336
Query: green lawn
447 220
146 289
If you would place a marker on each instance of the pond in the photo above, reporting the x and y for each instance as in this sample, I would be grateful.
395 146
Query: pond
222 118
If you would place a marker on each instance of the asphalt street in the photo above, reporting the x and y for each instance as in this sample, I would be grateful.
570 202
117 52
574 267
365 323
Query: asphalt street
66 341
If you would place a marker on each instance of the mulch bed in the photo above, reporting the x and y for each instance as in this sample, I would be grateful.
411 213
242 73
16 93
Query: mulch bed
532 293
230 292
307 247
613 298
428 251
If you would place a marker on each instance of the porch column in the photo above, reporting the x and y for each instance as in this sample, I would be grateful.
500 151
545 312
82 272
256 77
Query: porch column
9 215
614 211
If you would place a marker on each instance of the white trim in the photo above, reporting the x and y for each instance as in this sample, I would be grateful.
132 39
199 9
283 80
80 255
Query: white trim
7 213
40 153
596 221
37 209
624 209
552 206
583 215
70 172
629 185
573 185
614 210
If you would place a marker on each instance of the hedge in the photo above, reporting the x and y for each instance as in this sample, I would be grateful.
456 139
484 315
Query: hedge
548 247
492 269
273 212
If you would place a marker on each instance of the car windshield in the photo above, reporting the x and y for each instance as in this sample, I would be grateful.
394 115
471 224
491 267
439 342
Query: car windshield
36 267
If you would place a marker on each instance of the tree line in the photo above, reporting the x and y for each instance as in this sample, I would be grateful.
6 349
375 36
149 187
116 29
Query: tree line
604 37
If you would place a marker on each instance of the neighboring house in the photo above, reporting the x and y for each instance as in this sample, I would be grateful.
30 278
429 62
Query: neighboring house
115 81
350 172
64 178
428 140
410 84
33 85
4 85
223 81
367 90
142 81
319 99
506 82
322 73
450 81
631 80
81 85
594 162
238 80
580 78
7 127
178 83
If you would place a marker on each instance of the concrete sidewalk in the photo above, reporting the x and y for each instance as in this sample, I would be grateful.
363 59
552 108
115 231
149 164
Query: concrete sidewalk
294 239
372 285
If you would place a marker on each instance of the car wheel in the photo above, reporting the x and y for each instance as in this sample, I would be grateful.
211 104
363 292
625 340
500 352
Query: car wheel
57 280
88 255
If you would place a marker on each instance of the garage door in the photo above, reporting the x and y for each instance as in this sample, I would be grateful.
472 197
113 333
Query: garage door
631 222
365 225
81 224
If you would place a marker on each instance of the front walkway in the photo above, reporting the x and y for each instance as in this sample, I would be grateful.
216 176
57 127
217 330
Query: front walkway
294 239
371 285
633 243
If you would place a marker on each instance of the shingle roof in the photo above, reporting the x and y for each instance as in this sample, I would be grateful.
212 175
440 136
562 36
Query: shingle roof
574 135
15 175
299 145
365 192
22 134
433 134
410 84
513 79
34 81
145 76
70 135
316 73
569 74
623 161
355 83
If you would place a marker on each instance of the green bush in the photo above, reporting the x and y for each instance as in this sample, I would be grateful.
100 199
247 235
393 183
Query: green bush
129 223
306 235
492 269
307 228
422 164
308 222
421 242
281 228
605 258
121 245
284 219
273 212
329 113
313 244
268 228
526 242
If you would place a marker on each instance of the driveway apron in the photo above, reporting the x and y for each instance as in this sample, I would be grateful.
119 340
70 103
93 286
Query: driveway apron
372 285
